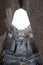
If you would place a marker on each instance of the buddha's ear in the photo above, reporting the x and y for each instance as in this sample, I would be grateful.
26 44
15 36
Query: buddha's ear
8 19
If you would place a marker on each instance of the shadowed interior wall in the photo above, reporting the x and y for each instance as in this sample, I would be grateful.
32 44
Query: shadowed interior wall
35 12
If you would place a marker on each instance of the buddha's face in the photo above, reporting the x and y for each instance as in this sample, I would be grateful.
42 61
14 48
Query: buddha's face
20 19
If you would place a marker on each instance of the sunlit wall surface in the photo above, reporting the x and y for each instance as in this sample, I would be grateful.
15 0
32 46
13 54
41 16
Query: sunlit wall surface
20 19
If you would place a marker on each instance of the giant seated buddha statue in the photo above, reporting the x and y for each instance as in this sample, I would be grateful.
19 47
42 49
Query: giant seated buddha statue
22 50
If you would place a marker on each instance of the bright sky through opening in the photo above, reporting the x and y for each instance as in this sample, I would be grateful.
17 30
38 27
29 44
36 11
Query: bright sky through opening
20 19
